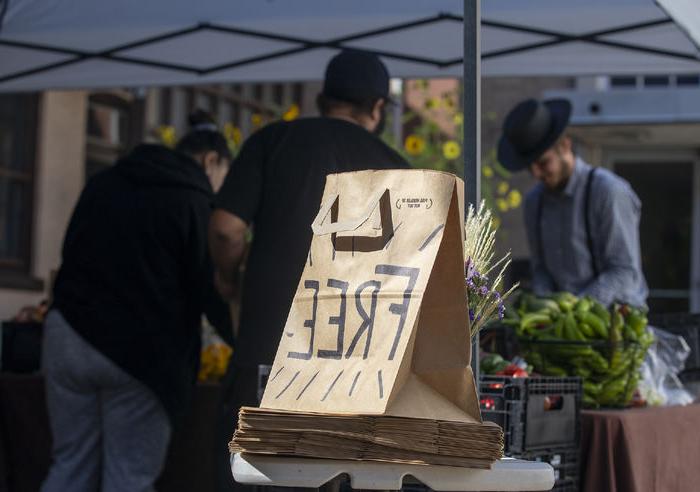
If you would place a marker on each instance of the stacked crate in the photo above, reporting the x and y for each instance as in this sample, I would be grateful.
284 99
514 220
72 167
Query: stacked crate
540 418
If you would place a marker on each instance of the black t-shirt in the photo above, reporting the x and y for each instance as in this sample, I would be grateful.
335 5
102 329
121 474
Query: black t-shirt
276 184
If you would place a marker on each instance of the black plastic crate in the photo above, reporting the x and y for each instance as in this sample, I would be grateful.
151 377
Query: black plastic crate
535 413
686 325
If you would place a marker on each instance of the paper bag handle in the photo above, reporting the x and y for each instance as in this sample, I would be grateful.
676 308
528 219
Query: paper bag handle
320 227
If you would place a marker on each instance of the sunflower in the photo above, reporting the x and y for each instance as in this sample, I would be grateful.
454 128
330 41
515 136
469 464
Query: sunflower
503 188
432 103
451 149
292 113
487 171
502 205
233 134
167 135
514 199
414 144
214 361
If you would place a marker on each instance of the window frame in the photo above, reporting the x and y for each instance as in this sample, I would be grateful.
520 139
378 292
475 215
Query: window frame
17 273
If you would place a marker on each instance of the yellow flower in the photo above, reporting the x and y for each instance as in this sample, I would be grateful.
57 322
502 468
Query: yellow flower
432 103
421 84
205 366
256 119
514 199
414 144
167 135
292 113
503 188
496 222
233 133
458 118
451 149
487 171
502 205
214 361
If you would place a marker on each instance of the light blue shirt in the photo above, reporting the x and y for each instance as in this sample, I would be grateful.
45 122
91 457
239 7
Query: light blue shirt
565 263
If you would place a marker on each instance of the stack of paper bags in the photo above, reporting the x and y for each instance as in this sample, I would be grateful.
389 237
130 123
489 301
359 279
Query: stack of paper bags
374 360
392 439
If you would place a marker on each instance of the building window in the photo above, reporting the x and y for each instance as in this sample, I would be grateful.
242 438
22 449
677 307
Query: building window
166 97
692 80
619 82
657 81
654 81
110 130
278 94
18 125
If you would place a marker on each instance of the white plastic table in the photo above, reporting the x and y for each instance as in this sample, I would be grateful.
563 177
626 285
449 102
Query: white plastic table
506 475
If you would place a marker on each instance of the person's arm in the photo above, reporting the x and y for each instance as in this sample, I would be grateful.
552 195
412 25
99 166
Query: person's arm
236 207
616 239
542 283
211 304
227 234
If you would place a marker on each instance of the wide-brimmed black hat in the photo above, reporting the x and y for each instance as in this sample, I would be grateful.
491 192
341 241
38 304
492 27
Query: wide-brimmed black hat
530 129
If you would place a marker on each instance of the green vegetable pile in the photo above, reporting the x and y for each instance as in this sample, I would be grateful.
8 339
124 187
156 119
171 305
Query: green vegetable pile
564 335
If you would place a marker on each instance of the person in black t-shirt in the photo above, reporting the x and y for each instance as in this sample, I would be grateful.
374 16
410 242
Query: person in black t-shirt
275 185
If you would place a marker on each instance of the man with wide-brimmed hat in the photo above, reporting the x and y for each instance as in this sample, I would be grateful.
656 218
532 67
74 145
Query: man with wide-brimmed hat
582 222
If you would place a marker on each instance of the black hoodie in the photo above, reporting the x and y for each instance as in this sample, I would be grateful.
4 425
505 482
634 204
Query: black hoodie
136 276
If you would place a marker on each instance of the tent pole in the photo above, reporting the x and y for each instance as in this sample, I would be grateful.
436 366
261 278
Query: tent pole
472 122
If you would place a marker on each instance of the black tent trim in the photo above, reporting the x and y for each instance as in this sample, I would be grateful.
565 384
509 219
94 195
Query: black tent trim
591 37
77 56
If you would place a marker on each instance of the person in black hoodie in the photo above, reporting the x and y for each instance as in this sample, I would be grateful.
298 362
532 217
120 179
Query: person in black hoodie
122 340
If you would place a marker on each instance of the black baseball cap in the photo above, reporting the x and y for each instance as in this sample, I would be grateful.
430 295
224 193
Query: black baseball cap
354 75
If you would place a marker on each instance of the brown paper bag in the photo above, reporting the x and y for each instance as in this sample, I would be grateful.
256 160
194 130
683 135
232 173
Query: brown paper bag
379 324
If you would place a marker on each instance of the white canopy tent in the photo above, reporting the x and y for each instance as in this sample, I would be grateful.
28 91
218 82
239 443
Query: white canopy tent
89 44
63 44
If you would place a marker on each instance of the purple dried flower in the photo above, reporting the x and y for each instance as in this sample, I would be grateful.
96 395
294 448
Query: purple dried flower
471 315
484 291
501 311
470 271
